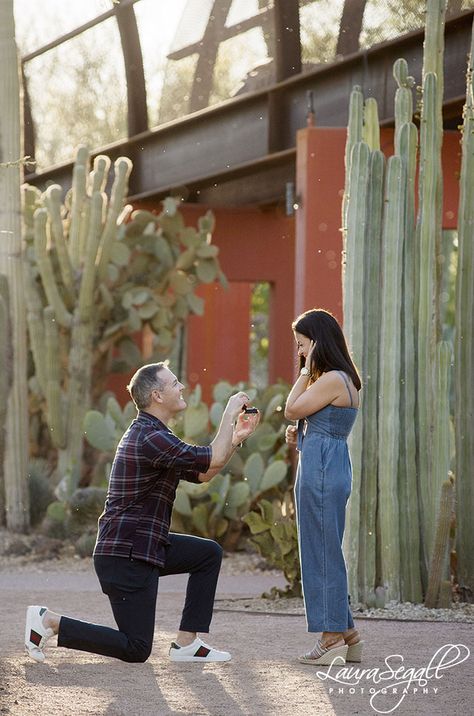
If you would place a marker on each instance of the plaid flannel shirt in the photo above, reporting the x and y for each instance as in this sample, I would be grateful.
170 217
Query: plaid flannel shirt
149 462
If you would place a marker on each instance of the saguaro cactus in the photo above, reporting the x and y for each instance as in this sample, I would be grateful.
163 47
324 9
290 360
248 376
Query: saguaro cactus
464 349
93 281
69 309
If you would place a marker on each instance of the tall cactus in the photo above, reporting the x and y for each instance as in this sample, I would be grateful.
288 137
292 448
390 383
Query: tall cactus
11 265
93 281
464 349
406 144
430 169
370 373
67 404
389 377
429 229
400 428
353 309
5 377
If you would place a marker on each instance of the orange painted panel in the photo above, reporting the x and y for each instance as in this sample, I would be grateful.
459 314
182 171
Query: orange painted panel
217 343
254 245
319 186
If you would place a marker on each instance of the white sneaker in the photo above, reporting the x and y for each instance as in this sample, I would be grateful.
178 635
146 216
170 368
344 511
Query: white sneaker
36 634
197 651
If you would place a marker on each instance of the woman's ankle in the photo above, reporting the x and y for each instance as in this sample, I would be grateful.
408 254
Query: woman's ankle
351 636
332 639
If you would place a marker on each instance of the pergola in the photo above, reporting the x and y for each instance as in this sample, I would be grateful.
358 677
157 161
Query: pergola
242 150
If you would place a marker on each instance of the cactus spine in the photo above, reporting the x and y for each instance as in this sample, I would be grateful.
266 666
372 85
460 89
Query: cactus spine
464 350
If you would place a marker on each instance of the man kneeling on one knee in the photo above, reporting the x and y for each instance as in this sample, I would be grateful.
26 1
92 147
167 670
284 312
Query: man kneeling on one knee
134 547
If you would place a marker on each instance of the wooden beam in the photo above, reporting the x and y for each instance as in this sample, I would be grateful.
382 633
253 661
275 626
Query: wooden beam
132 56
287 39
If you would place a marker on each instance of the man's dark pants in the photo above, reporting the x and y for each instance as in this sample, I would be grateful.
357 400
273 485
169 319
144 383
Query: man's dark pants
132 587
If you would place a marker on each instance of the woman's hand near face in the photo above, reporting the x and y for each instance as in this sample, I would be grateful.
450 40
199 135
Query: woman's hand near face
309 354
291 436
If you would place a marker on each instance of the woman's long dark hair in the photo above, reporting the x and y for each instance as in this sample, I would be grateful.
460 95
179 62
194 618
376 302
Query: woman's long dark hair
330 350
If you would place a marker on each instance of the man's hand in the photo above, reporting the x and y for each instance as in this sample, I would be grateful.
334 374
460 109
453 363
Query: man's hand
229 434
291 435
235 404
245 426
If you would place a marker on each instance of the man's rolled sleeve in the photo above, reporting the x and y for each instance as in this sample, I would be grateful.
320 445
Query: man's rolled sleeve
166 450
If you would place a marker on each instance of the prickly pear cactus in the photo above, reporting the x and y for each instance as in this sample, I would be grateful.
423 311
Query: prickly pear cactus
275 537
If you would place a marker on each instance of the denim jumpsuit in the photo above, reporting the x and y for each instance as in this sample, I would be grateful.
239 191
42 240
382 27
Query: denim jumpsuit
322 488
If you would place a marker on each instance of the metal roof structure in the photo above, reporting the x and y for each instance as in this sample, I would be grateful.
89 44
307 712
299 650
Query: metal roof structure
206 136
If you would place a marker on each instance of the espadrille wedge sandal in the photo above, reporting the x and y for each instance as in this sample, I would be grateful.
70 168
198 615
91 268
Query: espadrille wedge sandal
322 656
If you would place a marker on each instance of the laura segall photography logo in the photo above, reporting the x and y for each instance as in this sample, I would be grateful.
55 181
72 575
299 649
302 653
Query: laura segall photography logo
388 687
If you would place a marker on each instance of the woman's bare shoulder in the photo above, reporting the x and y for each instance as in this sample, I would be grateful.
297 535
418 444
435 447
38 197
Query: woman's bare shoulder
331 377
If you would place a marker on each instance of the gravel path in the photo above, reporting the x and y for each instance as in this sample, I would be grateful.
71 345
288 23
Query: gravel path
262 679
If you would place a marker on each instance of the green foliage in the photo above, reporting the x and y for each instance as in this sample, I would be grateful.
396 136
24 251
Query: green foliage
41 492
97 276
100 430
54 524
85 506
276 539
259 343
85 544
76 519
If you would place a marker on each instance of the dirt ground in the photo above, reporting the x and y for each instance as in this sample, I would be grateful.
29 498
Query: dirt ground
262 679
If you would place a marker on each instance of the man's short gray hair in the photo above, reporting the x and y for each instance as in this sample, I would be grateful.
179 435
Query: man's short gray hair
145 380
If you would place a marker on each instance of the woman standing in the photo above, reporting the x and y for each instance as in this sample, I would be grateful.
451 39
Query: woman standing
324 400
